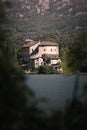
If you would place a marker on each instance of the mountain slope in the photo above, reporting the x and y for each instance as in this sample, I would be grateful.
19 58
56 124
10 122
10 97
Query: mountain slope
25 8
36 17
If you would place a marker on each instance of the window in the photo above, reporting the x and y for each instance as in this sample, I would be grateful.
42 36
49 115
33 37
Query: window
36 63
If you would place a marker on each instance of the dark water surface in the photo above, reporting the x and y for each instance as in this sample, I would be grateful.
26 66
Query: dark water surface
56 89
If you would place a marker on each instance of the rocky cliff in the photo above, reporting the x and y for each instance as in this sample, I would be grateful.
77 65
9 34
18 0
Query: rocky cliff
25 8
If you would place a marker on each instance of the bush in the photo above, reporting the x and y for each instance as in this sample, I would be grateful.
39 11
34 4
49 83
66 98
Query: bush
46 69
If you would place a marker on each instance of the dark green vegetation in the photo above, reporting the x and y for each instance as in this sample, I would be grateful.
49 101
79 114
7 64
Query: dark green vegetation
15 96
62 17
74 57
46 69
52 28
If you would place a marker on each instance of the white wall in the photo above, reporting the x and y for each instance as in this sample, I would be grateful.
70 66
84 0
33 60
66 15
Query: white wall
54 62
48 50
38 62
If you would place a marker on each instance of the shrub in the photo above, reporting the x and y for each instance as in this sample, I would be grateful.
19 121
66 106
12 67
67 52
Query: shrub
46 69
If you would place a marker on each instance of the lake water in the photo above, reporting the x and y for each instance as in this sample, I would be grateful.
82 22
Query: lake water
56 89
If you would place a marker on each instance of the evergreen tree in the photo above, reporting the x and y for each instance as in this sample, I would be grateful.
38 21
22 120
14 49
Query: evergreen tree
74 57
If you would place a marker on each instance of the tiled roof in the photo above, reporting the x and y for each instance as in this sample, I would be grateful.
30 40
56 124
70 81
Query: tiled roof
48 44
31 43
28 44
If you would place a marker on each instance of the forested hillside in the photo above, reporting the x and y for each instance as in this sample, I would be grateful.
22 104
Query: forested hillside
36 18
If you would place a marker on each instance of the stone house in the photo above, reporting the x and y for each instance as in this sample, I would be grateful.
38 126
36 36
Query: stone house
40 53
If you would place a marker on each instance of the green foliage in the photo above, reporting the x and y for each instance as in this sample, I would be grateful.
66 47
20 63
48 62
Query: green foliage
47 27
34 71
15 96
75 56
50 36
46 69
70 60
64 58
